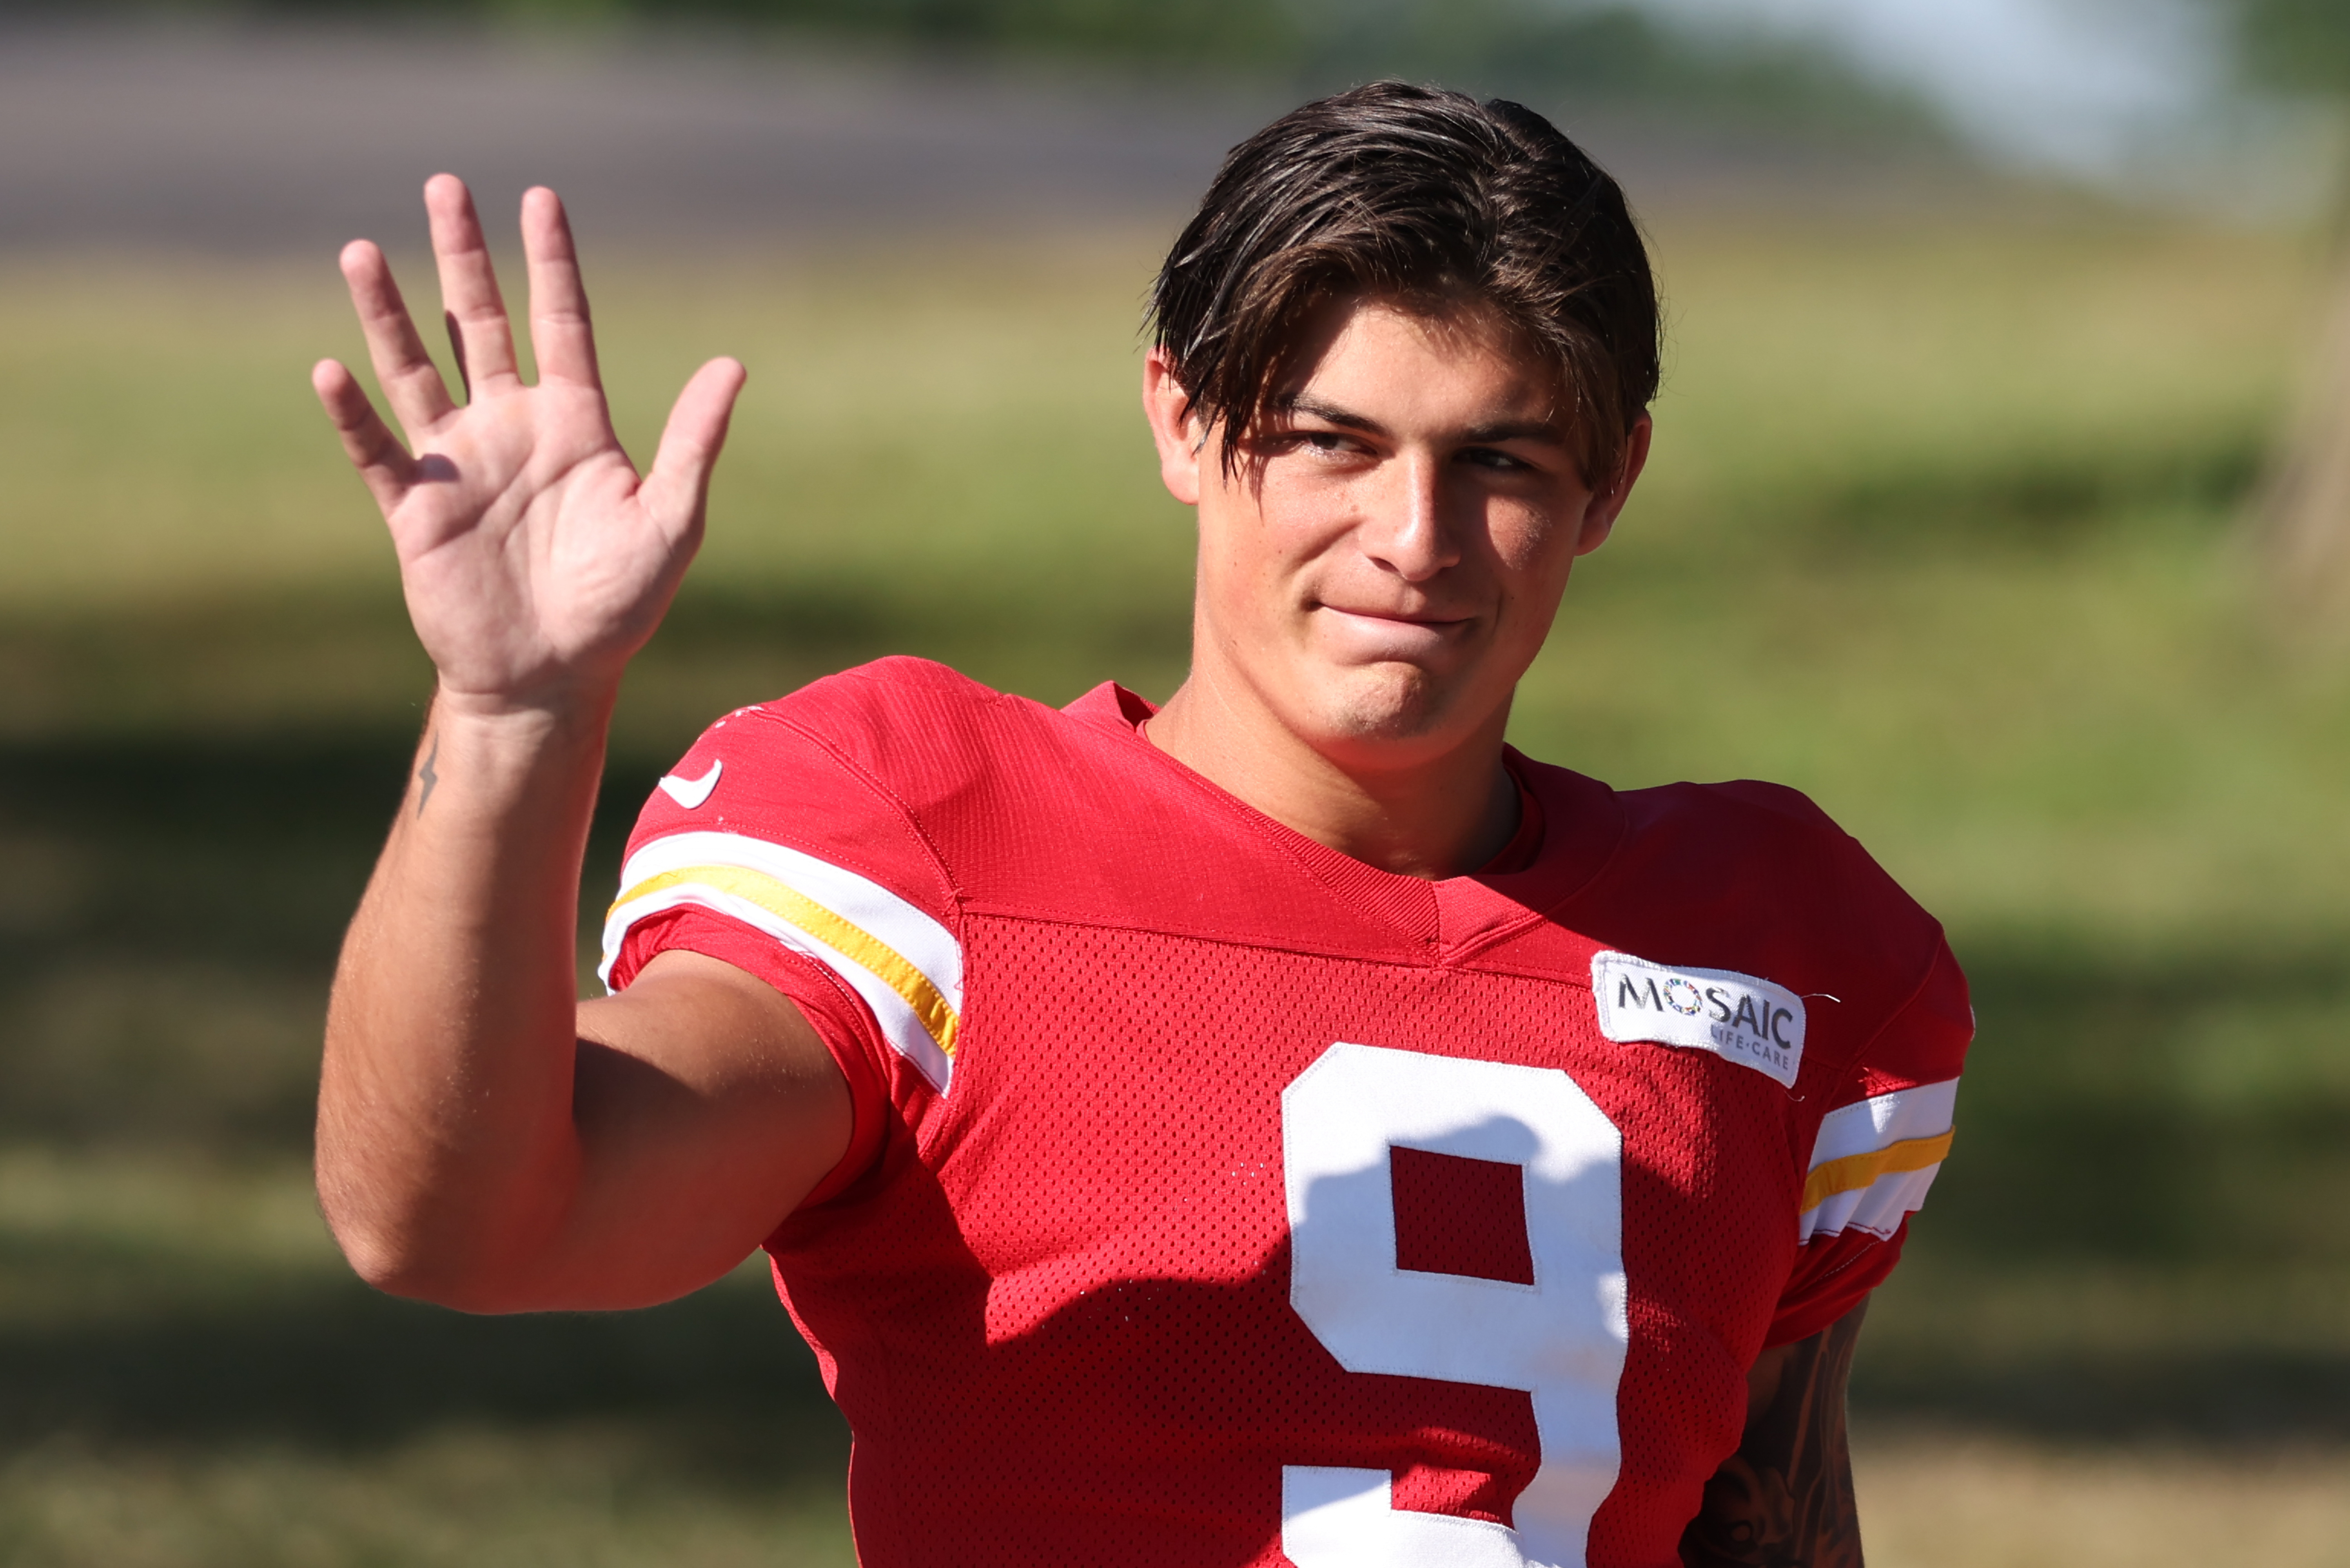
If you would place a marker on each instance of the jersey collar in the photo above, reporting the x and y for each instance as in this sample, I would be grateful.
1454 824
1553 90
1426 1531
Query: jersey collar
1569 826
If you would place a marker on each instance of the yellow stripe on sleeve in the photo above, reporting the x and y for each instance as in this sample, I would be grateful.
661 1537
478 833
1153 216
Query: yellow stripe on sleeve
1856 1171
936 1015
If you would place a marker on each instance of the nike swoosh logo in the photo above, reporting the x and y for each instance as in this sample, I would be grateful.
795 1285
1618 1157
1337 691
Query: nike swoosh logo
692 792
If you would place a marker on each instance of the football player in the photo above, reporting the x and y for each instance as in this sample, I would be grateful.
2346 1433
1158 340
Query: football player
1282 1125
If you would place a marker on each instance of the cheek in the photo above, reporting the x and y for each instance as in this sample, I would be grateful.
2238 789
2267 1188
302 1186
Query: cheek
1257 538
1244 569
1531 547
1303 508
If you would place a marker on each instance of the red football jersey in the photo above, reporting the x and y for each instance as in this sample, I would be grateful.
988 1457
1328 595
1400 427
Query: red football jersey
1218 1198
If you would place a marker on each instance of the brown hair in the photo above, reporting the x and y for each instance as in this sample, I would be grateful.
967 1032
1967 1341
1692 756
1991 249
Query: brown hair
1427 195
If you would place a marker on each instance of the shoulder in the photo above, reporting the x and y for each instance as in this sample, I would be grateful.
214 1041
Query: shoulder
827 772
1759 813
886 716
1754 878
901 687
902 730
903 769
1774 846
1743 848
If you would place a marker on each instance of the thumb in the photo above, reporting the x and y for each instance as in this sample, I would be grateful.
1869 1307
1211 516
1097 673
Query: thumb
679 482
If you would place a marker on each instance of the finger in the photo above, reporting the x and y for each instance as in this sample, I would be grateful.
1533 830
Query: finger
411 380
677 485
560 333
469 285
383 463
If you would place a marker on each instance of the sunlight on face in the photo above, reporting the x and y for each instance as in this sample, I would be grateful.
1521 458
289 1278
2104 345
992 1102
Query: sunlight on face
1387 559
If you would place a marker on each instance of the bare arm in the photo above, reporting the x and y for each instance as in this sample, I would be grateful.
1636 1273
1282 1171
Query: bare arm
1785 1499
485 1139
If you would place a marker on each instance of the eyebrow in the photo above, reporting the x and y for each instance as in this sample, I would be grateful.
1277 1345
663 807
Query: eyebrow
1480 435
1330 413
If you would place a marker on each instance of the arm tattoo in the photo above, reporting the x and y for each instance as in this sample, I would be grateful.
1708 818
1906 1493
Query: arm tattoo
1784 1499
426 778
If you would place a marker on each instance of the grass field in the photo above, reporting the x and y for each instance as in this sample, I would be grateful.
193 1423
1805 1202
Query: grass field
1941 528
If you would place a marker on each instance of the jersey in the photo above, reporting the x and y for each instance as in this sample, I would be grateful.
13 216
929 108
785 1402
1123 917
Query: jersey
1215 1199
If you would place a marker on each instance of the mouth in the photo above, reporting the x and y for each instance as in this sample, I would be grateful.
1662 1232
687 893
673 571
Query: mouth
1425 619
1380 634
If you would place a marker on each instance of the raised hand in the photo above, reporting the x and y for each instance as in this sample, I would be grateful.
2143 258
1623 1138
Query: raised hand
534 560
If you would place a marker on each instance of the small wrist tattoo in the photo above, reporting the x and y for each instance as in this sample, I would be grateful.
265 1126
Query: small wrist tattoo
425 777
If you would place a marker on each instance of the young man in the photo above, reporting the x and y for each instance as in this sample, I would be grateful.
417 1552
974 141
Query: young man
1285 1126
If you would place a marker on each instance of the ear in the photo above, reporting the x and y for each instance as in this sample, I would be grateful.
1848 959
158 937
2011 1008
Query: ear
1174 427
1600 513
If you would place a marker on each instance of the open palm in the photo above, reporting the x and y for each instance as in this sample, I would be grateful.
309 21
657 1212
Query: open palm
536 561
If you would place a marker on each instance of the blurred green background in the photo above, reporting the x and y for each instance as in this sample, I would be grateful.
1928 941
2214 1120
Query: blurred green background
1945 525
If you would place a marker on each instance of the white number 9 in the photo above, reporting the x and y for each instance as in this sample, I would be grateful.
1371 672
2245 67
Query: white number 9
1561 1338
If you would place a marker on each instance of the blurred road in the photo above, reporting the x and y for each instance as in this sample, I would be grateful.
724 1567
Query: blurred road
243 140
248 141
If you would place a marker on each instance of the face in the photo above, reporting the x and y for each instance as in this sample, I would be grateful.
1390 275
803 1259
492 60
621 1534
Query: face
1385 559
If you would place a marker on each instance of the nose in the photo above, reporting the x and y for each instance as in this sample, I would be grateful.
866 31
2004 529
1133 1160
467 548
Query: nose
1407 530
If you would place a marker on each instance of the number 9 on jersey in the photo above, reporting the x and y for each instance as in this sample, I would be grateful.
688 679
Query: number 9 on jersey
1560 1338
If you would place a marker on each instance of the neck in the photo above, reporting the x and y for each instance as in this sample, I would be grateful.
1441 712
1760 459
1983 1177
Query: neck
1438 814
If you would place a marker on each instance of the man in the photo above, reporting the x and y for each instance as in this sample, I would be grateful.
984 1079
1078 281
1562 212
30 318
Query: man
1283 1126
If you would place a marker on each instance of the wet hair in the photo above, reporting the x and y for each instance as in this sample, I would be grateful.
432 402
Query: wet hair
1436 199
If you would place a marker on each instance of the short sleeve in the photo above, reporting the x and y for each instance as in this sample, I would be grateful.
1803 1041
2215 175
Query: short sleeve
1876 1154
770 849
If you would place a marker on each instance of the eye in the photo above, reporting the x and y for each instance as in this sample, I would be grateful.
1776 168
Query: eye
1323 445
1495 459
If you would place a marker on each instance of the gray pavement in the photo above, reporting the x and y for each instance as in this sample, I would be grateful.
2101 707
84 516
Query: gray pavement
249 139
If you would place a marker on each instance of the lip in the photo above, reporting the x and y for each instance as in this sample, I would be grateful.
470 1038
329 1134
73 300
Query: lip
1380 635
1386 618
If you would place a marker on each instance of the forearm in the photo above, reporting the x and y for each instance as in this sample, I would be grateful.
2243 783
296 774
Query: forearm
1785 1499
464 1153
447 1149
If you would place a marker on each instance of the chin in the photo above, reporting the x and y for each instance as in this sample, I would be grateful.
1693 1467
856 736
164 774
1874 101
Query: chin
1385 706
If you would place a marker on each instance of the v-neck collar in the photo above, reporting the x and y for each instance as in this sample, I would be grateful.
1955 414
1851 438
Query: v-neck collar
1448 918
